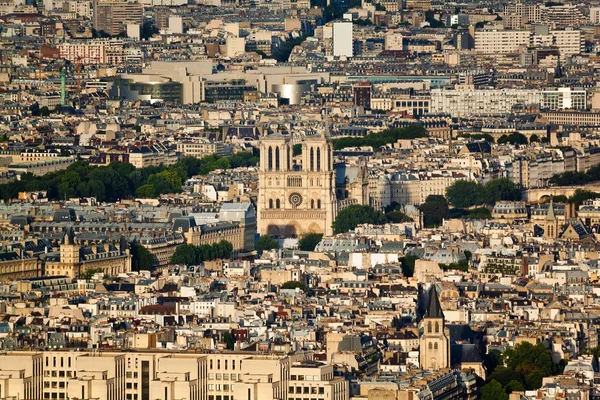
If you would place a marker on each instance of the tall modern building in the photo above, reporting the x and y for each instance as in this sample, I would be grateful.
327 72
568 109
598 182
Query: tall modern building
296 193
113 16
342 39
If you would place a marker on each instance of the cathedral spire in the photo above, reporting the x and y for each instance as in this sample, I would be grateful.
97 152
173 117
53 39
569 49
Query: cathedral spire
434 309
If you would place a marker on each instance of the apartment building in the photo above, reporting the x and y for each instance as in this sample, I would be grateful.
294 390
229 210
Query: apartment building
113 16
79 375
460 102
84 53
501 41
564 99
200 147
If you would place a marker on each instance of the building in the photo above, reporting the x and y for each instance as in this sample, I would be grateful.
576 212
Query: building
564 99
501 41
200 147
113 16
434 343
460 102
342 39
595 15
74 259
166 375
362 94
296 193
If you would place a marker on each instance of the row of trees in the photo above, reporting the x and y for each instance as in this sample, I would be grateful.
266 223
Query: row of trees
188 254
352 216
464 194
520 368
379 139
121 180
572 178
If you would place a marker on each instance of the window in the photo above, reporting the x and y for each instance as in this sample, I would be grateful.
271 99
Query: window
233 361
435 346
318 203
312 204
429 327
270 159
437 327
277 203
211 364
270 206
318 159
312 159
276 158
430 346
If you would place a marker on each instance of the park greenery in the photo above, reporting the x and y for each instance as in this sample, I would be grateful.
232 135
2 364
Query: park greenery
265 243
189 254
308 241
141 258
520 368
120 180
464 194
573 178
514 138
434 210
350 217
382 138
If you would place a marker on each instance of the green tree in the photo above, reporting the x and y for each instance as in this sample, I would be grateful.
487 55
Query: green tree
397 217
408 265
89 273
297 149
581 195
354 215
379 139
294 285
44 111
500 189
514 386
229 340
434 210
479 213
514 139
266 243
308 241
145 191
464 194
493 391
141 258
185 254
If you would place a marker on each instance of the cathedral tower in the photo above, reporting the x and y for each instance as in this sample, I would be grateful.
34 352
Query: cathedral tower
434 343
296 194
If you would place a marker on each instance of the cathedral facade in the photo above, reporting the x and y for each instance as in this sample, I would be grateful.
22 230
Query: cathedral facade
296 193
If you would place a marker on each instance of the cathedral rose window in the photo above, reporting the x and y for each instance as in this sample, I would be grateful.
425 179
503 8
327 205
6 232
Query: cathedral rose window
295 199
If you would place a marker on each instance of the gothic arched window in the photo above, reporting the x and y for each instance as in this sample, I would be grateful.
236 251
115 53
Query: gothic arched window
312 204
318 203
312 159
270 203
276 158
437 327
430 346
277 203
318 159
429 327
435 346
270 159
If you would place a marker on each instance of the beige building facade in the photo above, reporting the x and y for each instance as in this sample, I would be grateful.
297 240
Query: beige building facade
79 375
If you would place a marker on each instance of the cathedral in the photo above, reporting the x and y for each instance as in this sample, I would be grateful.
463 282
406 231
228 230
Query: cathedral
296 189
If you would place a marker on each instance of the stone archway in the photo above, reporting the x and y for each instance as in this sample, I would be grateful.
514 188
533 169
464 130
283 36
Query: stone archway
292 230
433 363
315 228
273 231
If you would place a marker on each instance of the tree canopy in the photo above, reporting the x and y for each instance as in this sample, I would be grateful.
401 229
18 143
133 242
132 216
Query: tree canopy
266 243
379 139
294 285
434 210
514 138
464 194
188 254
308 241
352 216
120 180
141 258
520 368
